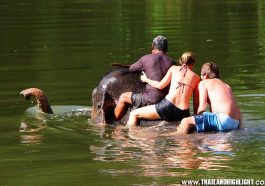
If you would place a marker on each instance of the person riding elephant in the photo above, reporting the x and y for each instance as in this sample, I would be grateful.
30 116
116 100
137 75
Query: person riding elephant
155 65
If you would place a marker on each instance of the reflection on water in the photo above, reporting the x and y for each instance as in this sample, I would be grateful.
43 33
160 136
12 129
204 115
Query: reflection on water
159 152
25 128
31 139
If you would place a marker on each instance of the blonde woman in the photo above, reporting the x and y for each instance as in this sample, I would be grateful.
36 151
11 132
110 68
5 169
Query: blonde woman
183 84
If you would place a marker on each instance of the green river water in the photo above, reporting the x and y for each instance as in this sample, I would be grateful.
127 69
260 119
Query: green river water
65 48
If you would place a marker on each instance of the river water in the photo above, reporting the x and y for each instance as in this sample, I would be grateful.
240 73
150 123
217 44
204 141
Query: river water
65 48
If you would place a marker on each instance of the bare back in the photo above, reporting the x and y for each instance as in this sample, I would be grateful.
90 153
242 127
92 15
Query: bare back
182 86
221 98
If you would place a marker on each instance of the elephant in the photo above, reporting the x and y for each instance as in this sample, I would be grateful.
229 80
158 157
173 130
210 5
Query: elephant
107 93
104 96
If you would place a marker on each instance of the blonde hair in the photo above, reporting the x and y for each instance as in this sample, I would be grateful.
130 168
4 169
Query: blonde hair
210 69
187 58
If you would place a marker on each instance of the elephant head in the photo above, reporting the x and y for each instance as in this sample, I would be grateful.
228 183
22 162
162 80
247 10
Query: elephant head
107 93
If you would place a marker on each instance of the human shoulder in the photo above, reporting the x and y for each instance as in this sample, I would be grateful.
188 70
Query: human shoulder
209 84
215 81
197 77
142 60
203 84
174 68
220 81
147 57
227 86
144 57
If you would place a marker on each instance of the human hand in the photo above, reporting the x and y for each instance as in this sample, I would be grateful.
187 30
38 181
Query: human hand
144 77
119 65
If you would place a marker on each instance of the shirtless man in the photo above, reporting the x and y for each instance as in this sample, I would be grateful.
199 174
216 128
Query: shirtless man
225 114
155 66
183 83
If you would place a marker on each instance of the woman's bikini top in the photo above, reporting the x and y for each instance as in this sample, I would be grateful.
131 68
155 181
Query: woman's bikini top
180 84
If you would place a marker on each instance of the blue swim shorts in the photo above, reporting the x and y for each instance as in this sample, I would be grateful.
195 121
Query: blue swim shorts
209 121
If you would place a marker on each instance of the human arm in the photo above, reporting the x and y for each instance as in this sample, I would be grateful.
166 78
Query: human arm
156 84
202 98
196 97
137 66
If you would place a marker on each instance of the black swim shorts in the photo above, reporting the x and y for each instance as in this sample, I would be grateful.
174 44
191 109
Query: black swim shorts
169 112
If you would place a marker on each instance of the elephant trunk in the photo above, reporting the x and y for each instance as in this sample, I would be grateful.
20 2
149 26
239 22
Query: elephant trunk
42 100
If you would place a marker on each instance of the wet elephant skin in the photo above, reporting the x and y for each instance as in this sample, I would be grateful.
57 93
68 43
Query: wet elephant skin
106 95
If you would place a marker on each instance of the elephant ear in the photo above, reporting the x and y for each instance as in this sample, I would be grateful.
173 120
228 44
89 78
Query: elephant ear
108 107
